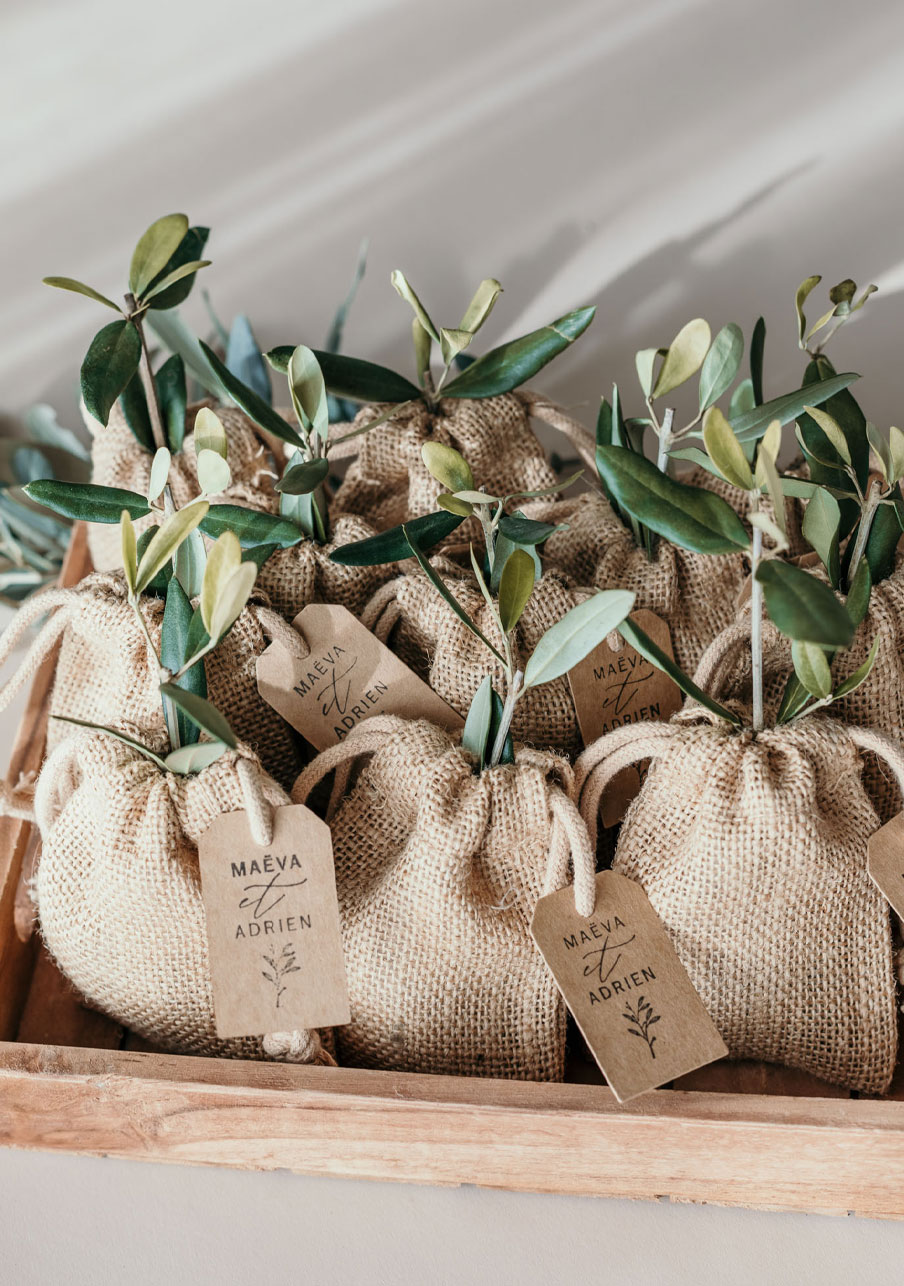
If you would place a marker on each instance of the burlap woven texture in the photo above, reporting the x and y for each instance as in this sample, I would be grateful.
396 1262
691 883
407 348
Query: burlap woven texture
408 614
119 460
293 578
104 676
438 871
118 888
388 482
752 850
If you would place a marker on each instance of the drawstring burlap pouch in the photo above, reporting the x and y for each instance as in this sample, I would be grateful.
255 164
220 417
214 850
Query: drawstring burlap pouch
104 675
408 615
293 578
752 850
119 460
438 871
388 482
118 888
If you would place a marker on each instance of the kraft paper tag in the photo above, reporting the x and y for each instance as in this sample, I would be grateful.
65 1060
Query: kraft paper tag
885 862
623 982
611 688
276 961
347 676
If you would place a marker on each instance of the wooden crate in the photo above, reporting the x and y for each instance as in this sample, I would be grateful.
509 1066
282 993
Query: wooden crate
737 1134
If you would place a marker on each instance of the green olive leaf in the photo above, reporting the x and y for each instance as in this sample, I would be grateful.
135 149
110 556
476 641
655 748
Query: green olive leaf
480 307
515 587
859 592
881 449
166 540
186 270
525 531
172 395
821 526
896 454
818 325
209 433
160 467
85 501
853 681
453 342
510 365
691 517
725 450
802 607
352 378
446 594
767 476
175 640
812 668
757 346
448 466
476 731
392 546
749 426
454 505
720 366
117 736
205 715
214 473
79 288
576 634
233 593
224 558
190 250
870 290
129 544
193 759
302 478
401 286
111 361
832 429
251 403
641 642
154 251
683 358
743 399
806 287
423 348
251 526
644 362
308 390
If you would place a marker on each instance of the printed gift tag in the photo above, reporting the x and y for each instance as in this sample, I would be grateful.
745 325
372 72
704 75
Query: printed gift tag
611 688
885 862
623 982
276 961
348 675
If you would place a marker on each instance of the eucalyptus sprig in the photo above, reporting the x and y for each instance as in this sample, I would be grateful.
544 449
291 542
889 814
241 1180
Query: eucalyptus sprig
488 725
499 371
117 364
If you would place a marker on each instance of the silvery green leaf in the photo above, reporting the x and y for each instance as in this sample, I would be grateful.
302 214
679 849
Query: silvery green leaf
638 639
644 361
245 359
545 491
209 433
515 588
116 734
767 476
449 467
698 457
453 342
818 325
176 637
476 497
251 526
896 454
79 288
743 399
192 759
578 632
206 716
190 563
806 287
154 250
832 429
526 531
214 473
172 331
166 540
423 347
160 467
308 390
751 425
480 307
684 357
725 450
402 287
870 290
223 562
231 600
812 668
43 426
254 407
477 725
720 365
881 449
504 549
853 681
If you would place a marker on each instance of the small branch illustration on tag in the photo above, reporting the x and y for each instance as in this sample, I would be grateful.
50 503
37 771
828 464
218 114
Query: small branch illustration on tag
280 965
640 1020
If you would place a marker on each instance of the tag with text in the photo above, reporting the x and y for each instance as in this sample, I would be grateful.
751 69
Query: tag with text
612 687
276 961
622 980
885 862
347 676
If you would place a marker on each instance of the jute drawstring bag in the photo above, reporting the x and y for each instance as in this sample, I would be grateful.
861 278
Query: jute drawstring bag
438 872
293 578
752 850
410 617
104 676
388 482
119 460
118 887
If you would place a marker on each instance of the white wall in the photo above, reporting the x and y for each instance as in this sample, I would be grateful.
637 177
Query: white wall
664 158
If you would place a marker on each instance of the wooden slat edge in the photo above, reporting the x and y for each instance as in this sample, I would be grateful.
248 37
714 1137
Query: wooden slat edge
775 1153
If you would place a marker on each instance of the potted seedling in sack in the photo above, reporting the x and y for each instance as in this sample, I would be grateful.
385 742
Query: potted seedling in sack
463 834
480 409
133 411
749 834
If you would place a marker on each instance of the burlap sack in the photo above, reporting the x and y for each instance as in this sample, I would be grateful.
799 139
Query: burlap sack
103 674
119 460
438 872
410 617
293 578
118 888
752 850
387 483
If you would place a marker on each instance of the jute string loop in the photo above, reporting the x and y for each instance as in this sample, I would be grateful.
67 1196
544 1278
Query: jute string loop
600 762
577 434
56 605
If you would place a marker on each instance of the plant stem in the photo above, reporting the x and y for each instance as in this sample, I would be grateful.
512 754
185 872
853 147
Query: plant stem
756 629
505 722
871 505
665 440
150 394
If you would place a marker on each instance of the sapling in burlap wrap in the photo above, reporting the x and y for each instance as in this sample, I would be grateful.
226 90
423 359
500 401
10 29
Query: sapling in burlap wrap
408 614
293 578
438 872
752 850
104 674
388 483
119 460
118 887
